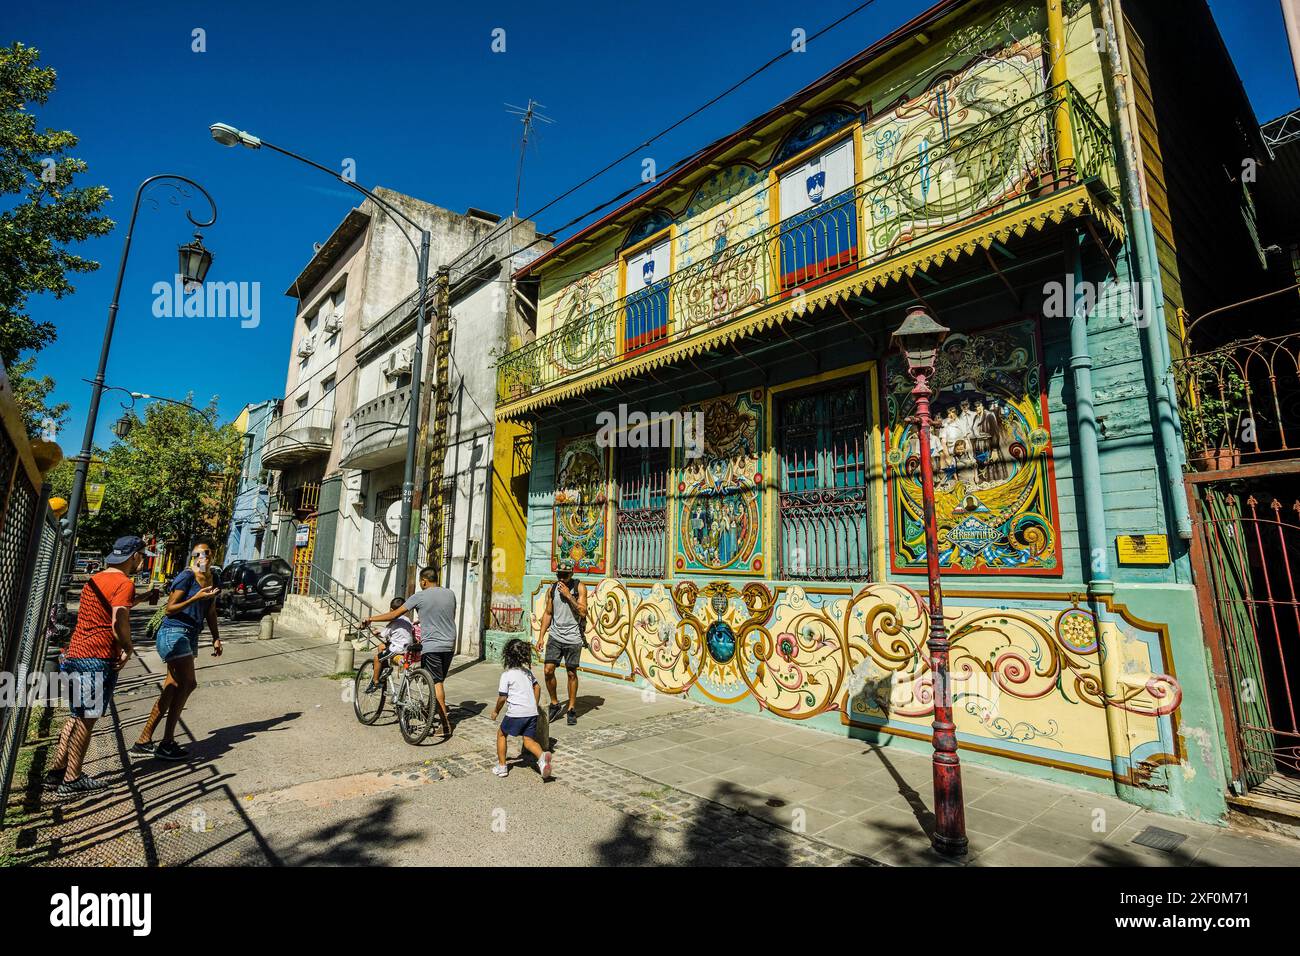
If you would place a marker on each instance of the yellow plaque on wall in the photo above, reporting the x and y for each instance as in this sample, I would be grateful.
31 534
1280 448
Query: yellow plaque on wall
1142 548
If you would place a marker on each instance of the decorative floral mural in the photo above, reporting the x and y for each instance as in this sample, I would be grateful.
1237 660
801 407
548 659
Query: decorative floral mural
922 175
719 526
580 533
995 488
1027 681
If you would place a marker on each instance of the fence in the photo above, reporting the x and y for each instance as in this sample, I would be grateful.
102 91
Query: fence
31 556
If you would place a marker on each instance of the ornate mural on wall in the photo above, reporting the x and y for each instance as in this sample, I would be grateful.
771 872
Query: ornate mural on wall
995 487
1027 681
579 533
718 274
719 527
921 174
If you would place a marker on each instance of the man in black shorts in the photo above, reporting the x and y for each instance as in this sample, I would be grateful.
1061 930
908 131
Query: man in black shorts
436 607
562 623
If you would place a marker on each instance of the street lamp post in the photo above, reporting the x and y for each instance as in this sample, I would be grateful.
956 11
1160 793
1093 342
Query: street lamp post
194 263
228 135
919 338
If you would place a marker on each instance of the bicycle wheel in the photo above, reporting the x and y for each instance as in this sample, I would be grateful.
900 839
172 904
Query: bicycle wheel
367 706
417 707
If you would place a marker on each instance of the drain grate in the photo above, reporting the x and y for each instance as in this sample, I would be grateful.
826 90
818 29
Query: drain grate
1158 839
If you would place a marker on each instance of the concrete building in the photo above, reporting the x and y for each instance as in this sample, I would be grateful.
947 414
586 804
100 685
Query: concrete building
250 514
453 522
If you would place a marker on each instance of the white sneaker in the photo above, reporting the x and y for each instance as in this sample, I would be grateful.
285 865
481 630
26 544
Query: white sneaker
500 770
545 764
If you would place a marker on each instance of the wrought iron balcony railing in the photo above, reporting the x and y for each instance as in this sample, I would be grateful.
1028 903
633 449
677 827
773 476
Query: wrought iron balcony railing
1006 162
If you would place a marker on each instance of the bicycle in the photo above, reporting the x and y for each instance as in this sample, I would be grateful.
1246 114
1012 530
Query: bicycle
406 684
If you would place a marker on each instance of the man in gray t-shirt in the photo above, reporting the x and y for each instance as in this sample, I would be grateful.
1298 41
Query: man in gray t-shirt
436 609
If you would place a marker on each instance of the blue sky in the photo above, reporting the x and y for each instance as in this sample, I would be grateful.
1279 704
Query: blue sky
414 95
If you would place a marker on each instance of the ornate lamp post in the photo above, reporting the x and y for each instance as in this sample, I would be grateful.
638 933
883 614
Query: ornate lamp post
919 338
194 262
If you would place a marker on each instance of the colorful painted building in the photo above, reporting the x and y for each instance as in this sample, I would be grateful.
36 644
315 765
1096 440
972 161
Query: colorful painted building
723 443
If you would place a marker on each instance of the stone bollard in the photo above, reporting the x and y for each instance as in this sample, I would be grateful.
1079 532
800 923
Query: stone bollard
344 661
266 629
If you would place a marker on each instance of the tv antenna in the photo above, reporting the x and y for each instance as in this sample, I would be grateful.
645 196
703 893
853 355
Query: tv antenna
527 115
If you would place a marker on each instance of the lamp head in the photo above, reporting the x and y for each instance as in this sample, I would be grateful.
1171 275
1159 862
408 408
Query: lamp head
227 135
919 338
195 260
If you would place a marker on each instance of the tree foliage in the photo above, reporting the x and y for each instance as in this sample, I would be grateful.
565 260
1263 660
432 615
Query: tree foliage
169 477
42 213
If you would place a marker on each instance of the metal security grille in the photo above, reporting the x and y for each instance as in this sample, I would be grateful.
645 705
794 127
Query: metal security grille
823 492
383 544
641 518
1252 550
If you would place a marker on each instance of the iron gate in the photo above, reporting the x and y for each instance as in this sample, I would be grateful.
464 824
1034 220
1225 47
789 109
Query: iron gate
1252 558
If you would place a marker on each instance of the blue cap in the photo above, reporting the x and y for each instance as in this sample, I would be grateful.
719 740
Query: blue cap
123 548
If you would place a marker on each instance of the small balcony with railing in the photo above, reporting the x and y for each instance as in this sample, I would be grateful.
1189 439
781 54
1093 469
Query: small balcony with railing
297 436
375 434
879 230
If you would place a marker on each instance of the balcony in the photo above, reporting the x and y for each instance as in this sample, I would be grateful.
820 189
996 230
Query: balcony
375 434
298 436
993 176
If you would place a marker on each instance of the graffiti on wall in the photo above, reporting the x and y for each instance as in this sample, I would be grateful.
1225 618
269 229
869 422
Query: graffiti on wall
579 533
1027 682
719 526
995 490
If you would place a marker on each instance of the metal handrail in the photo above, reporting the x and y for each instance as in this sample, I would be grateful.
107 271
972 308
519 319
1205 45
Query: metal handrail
339 598
1005 162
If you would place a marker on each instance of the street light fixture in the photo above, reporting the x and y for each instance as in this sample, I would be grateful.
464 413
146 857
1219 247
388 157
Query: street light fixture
124 425
228 135
195 261
919 338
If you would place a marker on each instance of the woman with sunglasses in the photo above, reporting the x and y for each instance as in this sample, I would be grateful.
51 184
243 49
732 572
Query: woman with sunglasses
191 602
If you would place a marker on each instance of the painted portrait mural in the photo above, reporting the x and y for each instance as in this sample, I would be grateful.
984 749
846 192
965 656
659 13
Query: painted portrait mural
990 444
579 531
719 510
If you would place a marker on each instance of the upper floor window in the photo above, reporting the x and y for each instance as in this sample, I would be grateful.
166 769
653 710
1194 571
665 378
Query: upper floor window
819 214
646 303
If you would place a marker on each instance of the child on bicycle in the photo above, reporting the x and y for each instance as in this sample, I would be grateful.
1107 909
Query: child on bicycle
398 636
520 693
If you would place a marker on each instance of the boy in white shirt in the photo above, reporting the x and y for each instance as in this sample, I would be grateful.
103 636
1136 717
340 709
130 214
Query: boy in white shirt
520 693
397 636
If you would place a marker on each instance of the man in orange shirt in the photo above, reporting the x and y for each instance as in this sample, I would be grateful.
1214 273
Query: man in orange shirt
99 647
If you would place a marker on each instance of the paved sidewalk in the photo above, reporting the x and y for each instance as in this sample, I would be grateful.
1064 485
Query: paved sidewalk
284 775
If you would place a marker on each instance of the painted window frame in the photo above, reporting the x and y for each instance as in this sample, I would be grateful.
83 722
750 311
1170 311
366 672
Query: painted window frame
667 234
853 133
862 379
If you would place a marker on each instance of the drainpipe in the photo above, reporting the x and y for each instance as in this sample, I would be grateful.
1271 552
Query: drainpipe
1096 536
1056 53
1156 356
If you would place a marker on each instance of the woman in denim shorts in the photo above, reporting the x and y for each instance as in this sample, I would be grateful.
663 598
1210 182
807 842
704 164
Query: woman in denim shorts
191 603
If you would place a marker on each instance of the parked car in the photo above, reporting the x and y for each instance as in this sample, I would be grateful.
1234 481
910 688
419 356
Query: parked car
253 587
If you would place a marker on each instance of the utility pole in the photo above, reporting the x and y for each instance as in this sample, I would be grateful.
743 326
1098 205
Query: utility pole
527 116
433 464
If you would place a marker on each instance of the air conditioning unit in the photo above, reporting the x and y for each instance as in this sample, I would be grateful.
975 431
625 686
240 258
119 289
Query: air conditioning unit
306 347
333 324
398 362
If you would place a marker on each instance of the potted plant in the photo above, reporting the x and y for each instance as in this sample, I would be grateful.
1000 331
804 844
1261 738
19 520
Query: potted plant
1213 410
